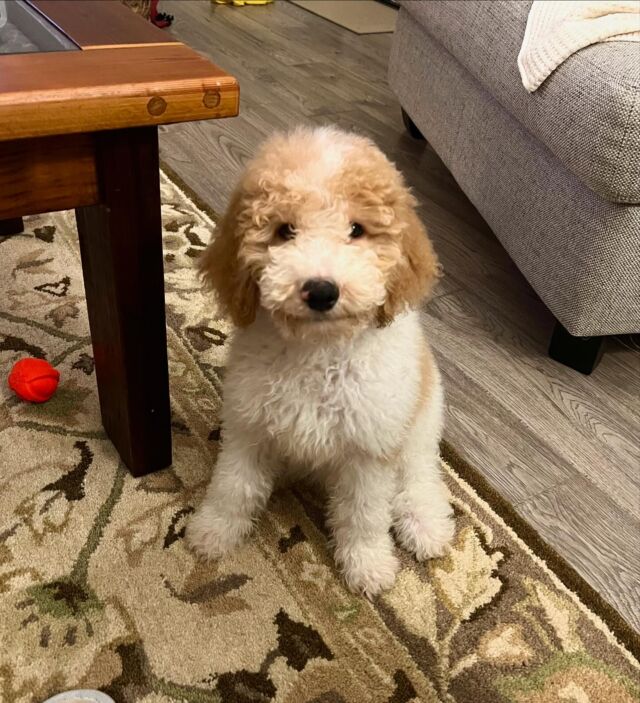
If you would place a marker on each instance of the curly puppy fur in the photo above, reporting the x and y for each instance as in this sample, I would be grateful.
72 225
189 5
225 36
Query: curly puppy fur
349 395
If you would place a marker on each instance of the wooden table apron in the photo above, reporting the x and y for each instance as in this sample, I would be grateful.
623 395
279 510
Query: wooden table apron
78 129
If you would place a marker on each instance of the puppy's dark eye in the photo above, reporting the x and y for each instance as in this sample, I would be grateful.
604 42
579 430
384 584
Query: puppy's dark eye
286 231
357 230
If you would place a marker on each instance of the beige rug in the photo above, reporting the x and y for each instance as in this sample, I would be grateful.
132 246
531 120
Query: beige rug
359 16
97 589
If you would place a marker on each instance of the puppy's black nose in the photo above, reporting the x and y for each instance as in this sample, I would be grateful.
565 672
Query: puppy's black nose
320 294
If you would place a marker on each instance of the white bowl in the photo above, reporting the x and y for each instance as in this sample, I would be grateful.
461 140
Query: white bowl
80 696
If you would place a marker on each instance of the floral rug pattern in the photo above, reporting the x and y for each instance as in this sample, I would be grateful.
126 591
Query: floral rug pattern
97 589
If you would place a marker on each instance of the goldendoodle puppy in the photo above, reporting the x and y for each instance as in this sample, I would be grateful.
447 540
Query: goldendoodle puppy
321 262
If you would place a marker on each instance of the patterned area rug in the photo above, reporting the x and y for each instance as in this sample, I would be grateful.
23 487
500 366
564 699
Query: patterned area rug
98 590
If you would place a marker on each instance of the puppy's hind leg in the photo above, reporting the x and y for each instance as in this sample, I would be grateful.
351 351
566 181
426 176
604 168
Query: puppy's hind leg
422 515
240 487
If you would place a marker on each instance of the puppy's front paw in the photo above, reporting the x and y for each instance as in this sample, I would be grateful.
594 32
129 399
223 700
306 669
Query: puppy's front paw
211 536
369 570
426 537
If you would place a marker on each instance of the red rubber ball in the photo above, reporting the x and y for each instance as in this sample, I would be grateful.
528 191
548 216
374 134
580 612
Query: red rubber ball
34 380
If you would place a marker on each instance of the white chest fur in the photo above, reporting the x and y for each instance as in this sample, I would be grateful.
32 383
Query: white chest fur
318 402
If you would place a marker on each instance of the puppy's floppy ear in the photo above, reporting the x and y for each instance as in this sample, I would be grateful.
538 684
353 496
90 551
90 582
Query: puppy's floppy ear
224 272
415 275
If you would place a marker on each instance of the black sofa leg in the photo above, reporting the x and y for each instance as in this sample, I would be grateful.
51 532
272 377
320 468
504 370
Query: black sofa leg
580 353
410 126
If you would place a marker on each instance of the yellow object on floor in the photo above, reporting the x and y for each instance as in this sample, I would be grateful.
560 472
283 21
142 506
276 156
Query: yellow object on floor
240 3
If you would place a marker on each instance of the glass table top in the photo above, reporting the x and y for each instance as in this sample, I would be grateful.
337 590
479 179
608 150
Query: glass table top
24 30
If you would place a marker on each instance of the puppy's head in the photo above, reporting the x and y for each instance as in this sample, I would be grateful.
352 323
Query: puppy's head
323 234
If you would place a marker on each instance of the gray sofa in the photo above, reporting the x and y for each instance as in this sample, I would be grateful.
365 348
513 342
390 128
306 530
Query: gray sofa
556 173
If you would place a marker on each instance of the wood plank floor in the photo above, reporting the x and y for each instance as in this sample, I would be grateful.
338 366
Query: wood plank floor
562 447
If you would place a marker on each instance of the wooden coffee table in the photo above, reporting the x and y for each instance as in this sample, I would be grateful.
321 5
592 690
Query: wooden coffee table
80 103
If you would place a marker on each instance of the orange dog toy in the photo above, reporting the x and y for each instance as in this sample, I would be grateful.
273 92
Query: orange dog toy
34 380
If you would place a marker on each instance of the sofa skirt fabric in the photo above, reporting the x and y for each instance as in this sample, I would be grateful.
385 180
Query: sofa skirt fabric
580 252
587 112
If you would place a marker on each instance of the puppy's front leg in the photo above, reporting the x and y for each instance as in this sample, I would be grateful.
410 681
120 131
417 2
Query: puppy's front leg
360 519
240 487
423 517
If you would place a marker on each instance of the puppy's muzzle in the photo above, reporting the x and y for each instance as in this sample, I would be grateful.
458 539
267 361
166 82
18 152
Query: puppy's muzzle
320 294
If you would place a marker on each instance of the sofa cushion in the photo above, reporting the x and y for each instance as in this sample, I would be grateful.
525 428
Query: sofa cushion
587 112
579 251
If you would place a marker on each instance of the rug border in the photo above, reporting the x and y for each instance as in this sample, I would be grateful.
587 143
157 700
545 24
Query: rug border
542 549
189 192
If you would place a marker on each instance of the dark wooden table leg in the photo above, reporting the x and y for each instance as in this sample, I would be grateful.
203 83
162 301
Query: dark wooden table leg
121 248
15 225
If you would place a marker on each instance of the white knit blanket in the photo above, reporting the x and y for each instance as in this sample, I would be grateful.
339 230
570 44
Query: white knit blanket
556 29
